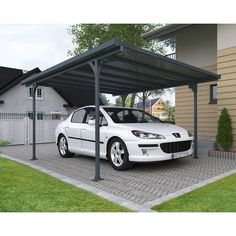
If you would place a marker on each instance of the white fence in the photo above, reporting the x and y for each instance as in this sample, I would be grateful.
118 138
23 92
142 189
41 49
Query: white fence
18 130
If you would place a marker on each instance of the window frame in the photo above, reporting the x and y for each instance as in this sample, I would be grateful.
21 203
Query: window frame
30 93
213 100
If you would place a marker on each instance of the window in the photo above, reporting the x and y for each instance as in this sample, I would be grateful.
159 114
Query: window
123 115
78 116
90 115
213 94
39 115
39 93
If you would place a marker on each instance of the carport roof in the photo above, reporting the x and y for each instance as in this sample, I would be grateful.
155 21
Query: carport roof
124 69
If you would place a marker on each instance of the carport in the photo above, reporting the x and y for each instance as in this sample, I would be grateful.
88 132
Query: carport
118 68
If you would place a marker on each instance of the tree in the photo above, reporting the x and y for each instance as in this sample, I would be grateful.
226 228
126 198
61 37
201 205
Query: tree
104 99
87 36
224 132
170 112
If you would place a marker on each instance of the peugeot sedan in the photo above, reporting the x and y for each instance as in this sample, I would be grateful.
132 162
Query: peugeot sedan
127 136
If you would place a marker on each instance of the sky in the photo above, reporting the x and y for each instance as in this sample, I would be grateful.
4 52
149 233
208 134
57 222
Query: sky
29 46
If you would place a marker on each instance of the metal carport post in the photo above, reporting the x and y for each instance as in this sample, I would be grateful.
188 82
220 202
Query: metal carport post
195 108
34 123
96 67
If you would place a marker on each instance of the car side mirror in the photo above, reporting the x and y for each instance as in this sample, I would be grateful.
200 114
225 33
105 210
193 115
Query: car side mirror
91 122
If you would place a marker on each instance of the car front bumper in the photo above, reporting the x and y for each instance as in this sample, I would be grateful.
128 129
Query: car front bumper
151 151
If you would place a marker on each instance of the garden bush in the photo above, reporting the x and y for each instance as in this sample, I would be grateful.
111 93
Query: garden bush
224 132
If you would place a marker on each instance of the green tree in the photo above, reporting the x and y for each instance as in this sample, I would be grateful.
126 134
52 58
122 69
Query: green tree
87 36
170 112
224 132
104 99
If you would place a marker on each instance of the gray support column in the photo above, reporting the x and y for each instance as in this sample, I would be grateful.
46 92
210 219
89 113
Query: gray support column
34 124
195 91
96 69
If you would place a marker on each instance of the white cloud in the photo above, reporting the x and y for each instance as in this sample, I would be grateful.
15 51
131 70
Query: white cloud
30 46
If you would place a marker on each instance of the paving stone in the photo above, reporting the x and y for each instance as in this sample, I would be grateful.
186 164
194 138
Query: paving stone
141 184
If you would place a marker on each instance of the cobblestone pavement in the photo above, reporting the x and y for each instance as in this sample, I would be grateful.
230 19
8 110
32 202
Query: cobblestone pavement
141 184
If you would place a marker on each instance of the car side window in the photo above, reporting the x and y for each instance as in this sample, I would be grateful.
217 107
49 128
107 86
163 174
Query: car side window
90 115
78 116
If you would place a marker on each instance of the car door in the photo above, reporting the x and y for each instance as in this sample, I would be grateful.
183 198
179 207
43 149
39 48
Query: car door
73 130
88 133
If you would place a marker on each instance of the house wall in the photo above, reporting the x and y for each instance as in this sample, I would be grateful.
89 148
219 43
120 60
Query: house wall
158 109
227 85
226 36
207 113
16 100
225 56
197 45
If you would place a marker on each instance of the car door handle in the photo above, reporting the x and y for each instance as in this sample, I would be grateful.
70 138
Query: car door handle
83 129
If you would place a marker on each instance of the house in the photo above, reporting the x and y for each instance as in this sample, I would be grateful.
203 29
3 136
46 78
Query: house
156 107
17 99
211 47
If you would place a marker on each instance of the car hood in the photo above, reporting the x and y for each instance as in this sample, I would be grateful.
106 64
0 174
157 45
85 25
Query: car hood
158 128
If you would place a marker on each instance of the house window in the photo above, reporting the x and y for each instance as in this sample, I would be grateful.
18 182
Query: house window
39 115
213 94
39 93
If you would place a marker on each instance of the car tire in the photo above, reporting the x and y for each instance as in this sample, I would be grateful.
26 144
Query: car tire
118 155
63 147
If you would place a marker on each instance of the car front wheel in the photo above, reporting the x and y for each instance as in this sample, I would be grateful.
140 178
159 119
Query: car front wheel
63 147
118 155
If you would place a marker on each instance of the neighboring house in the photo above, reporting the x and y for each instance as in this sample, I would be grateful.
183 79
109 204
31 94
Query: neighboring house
17 99
156 107
211 47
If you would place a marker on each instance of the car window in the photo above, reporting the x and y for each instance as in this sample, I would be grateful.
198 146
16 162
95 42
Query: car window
90 115
78 116
123 115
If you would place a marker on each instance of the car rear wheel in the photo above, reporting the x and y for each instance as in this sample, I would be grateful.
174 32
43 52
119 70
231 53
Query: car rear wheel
118 155
63 147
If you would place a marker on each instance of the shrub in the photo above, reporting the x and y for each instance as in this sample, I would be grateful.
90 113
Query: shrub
3 143
224 132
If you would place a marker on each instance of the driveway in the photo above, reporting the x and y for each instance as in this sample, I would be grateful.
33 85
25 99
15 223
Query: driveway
142 185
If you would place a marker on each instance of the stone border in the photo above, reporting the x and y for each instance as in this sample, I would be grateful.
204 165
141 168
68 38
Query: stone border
181 192
108 196
222 154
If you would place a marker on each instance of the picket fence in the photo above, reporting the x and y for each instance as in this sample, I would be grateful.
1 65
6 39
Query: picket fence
17 129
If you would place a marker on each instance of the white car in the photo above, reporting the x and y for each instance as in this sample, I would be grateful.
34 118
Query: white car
126 136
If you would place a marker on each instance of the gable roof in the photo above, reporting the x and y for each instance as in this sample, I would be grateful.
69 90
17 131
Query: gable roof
10 77
148 104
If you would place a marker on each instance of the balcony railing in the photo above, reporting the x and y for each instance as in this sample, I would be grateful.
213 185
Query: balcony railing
171 56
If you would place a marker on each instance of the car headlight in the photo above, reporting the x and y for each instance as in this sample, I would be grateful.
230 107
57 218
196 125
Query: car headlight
190 134
145 135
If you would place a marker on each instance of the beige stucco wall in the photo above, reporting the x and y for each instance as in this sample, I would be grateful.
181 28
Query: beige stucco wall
226 36
197 45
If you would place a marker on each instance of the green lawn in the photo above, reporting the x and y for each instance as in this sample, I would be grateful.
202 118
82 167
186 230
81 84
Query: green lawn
23 189
219 196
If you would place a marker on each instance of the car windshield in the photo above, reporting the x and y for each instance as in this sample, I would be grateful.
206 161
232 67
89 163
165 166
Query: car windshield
124 115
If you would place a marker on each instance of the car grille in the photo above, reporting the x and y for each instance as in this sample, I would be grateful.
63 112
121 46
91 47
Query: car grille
176 146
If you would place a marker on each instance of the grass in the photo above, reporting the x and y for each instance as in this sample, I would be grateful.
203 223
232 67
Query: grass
23 189
219 196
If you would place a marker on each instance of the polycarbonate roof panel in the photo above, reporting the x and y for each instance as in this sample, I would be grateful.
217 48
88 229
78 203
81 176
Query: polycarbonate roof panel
124 69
